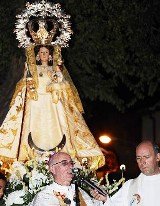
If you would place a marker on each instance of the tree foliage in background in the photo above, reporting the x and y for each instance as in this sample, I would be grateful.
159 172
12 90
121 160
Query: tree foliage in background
116 48
114 54
11 58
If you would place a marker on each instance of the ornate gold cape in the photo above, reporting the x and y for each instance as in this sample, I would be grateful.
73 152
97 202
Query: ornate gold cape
23 118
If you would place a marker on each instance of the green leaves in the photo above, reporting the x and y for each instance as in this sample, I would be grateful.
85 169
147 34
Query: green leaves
114 52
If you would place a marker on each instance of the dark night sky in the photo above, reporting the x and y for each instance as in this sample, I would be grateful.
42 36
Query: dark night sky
123 128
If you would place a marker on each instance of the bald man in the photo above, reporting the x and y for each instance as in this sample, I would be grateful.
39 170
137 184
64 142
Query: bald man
145 189
61 192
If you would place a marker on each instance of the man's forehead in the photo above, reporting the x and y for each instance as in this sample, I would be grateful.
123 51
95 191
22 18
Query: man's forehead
144 148
62 156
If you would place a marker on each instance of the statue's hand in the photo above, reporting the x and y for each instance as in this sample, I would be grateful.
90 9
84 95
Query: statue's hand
30 85
33 95
49 88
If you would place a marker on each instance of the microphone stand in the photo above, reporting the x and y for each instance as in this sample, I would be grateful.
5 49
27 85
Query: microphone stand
77 200
79 179
93 186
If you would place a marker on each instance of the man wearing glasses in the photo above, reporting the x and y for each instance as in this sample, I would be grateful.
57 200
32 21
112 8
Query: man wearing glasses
62 192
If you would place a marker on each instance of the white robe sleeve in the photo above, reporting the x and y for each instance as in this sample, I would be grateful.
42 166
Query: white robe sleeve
45 199
90 201
120 197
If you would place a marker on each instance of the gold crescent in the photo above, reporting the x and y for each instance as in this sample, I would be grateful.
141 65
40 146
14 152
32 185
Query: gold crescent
58 147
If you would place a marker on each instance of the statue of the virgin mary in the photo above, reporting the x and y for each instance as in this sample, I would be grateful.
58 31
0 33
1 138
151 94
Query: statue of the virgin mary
46 112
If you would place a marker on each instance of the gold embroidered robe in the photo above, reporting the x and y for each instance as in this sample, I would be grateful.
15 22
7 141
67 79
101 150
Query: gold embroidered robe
48 115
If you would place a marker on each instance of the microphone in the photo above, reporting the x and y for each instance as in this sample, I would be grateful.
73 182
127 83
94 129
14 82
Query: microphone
67 201
81 179
76 171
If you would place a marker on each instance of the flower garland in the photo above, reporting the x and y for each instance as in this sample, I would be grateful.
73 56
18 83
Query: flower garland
25 180
43 9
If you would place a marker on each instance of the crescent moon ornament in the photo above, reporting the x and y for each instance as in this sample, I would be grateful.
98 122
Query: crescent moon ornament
33 145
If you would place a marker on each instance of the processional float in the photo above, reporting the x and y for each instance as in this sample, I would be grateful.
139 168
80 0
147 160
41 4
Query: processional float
26 133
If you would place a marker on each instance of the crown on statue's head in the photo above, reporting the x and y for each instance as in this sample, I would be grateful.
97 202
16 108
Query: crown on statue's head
43 23
43 35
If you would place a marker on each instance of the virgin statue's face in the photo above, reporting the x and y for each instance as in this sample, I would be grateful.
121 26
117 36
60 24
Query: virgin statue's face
44 54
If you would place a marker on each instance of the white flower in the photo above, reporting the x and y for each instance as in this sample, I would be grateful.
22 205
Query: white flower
15 198
37 179
18 169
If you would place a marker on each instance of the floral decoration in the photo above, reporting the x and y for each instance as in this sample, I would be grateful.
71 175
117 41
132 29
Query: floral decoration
25 180
41 10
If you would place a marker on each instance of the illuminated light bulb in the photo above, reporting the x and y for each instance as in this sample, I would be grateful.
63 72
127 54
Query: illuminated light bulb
123 167
105 139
